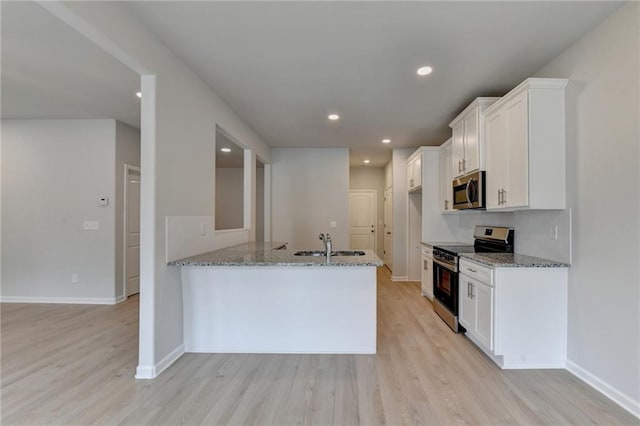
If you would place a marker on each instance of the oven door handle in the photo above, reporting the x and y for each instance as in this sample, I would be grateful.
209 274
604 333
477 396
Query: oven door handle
444 265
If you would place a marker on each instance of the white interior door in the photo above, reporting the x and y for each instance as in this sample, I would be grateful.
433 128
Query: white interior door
362 222
132 231
388 228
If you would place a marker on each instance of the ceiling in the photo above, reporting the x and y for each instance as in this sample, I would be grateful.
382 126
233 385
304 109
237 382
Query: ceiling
284 66
51 71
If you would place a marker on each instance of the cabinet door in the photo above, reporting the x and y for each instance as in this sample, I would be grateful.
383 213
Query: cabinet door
483 297
410 166
467 314
471 160
496 146
517 189
417 172
457 155
427 277
446 189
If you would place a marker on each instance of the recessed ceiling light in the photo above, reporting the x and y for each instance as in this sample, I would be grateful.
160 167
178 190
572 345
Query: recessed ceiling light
424 70
386 140
139 94
333 116
366 161
225 149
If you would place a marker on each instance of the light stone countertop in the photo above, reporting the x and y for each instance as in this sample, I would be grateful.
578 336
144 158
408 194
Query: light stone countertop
265 254
511 260
444 243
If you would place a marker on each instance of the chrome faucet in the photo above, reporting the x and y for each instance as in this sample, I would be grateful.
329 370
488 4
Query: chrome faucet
328 246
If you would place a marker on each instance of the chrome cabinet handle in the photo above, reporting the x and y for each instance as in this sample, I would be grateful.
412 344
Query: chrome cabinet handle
504 196
464 164
471 291
471 270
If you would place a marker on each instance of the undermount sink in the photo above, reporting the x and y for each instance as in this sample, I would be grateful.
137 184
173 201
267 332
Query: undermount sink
333 253
310 253
347 253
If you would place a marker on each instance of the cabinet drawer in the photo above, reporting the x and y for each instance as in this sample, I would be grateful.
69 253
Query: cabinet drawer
427 251
479 272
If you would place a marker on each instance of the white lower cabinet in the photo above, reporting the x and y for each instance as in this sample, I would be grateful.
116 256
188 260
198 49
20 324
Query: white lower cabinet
427 272
516 315
476 307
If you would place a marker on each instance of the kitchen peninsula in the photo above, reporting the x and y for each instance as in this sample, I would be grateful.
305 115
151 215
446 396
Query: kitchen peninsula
261 298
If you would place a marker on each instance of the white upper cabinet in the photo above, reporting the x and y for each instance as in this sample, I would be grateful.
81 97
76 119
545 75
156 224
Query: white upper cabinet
446 177
525 145
414 172
468 138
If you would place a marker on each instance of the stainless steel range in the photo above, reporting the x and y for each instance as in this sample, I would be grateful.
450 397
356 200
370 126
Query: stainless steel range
488 239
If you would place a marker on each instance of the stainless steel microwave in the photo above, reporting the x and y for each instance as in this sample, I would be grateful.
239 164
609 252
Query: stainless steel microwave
469 191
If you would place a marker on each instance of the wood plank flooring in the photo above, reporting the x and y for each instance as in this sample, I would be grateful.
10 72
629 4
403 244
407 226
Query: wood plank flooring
74 364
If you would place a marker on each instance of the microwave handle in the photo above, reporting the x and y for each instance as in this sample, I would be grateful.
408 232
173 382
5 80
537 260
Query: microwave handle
466 191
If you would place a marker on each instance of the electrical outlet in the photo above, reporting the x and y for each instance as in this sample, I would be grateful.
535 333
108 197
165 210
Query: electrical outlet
91 225
332 224
553 232
74 278
203 229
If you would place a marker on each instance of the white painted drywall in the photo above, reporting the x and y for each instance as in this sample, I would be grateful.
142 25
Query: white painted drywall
603 181
53 173
177 160
388 175
400 212
260 206
310 189
229 198
371 178
127 152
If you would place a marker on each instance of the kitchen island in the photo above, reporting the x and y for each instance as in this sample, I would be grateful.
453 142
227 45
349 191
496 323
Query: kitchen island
256 298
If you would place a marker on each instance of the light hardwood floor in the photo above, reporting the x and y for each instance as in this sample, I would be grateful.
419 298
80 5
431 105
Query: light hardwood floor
74 364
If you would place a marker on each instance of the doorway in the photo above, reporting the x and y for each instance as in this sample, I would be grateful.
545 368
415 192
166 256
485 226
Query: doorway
131 230
362 219
388 228
260 219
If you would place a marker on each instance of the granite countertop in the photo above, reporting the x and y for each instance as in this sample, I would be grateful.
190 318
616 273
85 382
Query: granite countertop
512 260
266 254
444 243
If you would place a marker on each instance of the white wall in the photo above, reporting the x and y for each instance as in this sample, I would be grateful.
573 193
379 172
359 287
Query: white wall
127 152
371 178
310 189
177 135
260 206
229 198
603 181
53 173
400 213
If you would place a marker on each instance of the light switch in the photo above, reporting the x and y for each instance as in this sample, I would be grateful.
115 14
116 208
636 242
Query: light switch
332 224
91 225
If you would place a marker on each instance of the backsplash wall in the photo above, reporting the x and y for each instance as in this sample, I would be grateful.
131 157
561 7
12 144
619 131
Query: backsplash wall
534 230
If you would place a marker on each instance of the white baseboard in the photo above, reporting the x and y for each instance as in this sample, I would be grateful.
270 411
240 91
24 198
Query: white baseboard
399 278
121 298
153 371
606 389
64 300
